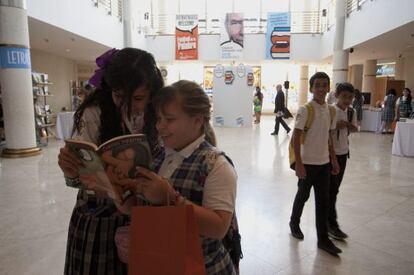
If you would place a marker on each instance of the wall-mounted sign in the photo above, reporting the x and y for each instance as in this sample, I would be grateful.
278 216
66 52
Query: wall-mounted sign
14 58
386 69
241 70
228 77
219 71
250 79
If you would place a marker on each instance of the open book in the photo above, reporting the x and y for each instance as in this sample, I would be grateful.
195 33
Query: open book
112 163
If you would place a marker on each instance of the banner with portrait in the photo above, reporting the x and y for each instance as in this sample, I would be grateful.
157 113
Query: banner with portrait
232 36
278 35
186 37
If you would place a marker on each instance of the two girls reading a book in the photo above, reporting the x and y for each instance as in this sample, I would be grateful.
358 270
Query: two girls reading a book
190 170
126 82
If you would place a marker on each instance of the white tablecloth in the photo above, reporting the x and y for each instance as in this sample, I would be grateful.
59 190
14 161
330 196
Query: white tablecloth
64 124
371 121
403 143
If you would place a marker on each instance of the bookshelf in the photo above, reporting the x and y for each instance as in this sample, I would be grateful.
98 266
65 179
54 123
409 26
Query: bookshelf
44 117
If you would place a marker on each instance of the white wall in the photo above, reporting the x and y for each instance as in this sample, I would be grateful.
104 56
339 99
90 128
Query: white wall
138 22
408 73
375 18
60 71
79 17
327 43
304 47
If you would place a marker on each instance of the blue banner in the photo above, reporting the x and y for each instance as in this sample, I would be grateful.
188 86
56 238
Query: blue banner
14 58
278 35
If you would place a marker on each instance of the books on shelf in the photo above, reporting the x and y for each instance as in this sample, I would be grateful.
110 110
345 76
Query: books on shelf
43 112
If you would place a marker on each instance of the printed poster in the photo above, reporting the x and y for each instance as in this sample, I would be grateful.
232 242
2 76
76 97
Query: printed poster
278 35
186 37
232 36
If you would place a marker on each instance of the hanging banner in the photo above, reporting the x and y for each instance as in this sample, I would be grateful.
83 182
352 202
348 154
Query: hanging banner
186 37
232 36
278 35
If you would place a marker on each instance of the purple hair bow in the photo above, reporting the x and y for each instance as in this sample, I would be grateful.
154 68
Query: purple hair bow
101 61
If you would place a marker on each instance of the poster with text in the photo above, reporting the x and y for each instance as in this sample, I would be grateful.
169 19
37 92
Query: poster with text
186 37
232 36
278 35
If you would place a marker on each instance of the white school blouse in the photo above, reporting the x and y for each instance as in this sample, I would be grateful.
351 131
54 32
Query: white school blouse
220 185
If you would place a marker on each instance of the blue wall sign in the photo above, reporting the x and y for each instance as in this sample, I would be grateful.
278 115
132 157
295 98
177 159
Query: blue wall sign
15 58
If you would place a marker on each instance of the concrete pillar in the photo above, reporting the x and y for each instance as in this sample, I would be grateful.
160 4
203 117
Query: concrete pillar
303 85
127 23
369 76
16 80
355 76
399 69
340 57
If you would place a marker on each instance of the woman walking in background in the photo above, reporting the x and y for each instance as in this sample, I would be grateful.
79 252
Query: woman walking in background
258 103
388 113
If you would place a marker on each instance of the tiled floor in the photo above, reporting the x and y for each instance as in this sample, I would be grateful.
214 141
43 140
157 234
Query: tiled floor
375 205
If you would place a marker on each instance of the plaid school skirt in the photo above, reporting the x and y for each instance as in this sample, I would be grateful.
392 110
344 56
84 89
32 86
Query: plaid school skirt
388 115
91 239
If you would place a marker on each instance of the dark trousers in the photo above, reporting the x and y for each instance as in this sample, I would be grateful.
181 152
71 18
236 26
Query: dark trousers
334 189
279 120
317 176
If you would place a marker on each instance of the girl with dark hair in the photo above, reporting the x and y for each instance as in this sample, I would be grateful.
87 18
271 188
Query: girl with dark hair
404 107
126 84
388 113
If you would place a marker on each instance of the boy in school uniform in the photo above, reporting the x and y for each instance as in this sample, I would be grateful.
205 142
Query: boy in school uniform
313 158
346 123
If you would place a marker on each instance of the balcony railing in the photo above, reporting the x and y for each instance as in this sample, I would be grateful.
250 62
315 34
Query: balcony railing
353 5
112 7
301 22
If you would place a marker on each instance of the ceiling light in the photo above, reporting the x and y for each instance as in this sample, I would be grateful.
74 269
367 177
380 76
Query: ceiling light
67 50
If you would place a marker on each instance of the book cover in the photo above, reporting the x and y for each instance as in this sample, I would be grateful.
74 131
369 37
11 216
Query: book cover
112 164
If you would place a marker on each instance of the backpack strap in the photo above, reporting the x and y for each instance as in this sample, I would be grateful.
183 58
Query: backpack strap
309 120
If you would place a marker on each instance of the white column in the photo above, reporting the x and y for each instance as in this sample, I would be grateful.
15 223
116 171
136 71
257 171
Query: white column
340 57
16 80
127 23
355 76
399 69
303 85
368 78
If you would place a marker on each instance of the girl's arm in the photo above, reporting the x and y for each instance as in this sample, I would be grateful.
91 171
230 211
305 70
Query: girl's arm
213 223
332 155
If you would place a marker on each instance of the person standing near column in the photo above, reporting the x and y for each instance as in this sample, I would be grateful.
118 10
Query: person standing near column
280 110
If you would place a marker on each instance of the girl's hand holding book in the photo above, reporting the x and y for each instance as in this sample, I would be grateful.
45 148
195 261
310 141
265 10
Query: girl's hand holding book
154 188
69 163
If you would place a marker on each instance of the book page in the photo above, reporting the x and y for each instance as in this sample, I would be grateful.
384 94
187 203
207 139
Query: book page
92 172
121 157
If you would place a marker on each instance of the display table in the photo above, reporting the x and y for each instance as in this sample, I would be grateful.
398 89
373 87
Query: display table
403 143
64 124
371 121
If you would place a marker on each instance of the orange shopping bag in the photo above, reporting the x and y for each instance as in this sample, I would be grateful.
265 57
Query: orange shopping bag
165 240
